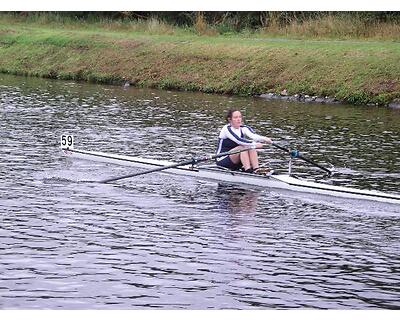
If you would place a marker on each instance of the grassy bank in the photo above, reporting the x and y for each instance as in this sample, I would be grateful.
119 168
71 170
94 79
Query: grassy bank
355 71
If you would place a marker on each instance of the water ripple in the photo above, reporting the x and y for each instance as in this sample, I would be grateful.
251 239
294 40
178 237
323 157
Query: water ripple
167 242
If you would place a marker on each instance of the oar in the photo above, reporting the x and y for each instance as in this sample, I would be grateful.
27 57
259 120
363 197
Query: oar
296 154
193 161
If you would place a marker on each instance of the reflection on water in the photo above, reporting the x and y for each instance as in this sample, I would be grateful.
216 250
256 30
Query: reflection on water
161 241
236 200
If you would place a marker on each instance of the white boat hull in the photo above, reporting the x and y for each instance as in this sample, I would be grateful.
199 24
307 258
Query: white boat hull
280 181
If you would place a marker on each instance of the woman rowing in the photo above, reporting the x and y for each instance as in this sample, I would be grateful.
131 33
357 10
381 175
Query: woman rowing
236 136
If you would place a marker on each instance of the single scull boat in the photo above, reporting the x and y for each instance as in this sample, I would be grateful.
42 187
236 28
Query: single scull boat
278 181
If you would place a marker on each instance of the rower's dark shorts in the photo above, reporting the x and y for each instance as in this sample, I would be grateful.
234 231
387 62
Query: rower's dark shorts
227 163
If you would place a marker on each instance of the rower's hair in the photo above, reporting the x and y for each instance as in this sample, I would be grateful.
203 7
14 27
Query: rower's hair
230 113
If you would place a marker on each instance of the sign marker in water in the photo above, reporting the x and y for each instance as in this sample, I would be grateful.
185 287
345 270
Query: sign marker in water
67 141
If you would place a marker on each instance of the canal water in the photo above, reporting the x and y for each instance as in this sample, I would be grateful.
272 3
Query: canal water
166 242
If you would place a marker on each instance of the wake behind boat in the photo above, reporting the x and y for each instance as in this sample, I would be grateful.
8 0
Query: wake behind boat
213 172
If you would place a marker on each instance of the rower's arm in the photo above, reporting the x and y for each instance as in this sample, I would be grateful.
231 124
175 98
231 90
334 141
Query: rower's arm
248 132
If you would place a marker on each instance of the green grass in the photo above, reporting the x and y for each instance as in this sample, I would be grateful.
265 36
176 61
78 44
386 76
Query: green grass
356 71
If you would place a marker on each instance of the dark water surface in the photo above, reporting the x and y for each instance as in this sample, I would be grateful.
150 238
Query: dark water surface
160 241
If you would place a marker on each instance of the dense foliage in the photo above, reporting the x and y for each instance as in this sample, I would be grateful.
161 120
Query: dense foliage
234 21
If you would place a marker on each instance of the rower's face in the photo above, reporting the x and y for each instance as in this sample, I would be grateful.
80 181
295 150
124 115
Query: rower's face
236 119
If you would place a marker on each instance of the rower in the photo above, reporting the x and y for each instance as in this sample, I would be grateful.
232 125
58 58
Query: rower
236 136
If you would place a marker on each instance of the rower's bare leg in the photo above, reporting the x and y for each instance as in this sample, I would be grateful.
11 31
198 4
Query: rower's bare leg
242 157
253 158
245 159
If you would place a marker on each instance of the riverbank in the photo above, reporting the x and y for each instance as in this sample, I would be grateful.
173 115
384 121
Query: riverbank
351 71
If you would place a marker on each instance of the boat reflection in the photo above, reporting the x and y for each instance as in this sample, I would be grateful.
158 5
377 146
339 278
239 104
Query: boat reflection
236 200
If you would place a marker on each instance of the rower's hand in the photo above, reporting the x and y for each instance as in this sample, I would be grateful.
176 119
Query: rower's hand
259 145
268 140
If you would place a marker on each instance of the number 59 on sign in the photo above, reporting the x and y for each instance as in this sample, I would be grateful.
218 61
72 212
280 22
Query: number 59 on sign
67 142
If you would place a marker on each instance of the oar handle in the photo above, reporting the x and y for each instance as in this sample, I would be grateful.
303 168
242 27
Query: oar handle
280 147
